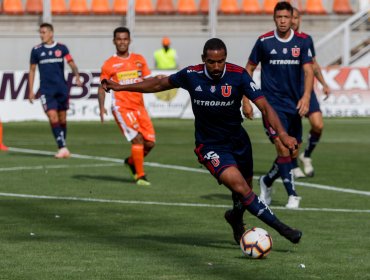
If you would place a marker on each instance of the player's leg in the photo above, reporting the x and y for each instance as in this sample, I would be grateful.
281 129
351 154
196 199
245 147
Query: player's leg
317 126
58 134
2 145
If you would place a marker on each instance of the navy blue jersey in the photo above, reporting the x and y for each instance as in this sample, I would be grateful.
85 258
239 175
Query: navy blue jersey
281 68
50 60
216 104
312 48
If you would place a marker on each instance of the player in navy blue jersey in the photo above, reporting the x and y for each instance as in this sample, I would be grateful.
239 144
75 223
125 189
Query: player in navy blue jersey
314 114
216 89
54 93
284 56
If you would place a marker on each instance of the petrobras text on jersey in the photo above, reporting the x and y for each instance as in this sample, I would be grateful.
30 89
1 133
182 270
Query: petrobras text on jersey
284 61
212 103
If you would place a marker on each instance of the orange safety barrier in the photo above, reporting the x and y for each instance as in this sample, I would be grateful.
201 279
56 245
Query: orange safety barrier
144 7
268 6
204 6
229 7
100 7
13 7
58 7
251 7
187 7
315 7
2 146
120 6
34 7
78 7
296 4
342 7
165 7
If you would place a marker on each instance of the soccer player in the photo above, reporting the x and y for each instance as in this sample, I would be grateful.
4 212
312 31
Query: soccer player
285 57
222 145
3 147
128 107
314 114
54 93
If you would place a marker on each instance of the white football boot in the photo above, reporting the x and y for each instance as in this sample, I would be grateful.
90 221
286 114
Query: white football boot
266 192
63 153
307 165
298 173
293 202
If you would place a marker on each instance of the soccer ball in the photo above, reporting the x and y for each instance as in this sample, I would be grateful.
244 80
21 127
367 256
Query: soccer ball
256 243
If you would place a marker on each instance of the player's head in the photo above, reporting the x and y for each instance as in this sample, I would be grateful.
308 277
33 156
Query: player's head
46 31
296 19
214 57
122 40
283 13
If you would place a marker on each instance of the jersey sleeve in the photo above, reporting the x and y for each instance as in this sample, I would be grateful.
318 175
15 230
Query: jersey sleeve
250 89
311 46
255 56
34 58
306 52
179 79
105 73
66 53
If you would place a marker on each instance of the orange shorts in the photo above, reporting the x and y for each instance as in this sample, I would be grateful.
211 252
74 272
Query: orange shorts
131 122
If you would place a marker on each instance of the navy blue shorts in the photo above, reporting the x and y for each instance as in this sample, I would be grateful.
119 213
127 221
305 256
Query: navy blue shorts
291 123
55 101
217 158
314 105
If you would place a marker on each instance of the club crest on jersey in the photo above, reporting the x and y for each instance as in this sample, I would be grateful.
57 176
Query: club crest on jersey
226 91
58 53
296 51
213 89
213 157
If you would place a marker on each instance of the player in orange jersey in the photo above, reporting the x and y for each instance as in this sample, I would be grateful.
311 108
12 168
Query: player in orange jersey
128 109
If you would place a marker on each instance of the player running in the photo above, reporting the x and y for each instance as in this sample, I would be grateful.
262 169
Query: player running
128 107
216 89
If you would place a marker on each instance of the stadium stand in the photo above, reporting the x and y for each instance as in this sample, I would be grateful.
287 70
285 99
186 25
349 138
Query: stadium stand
13 7
268 6
101 7
315 7
144 7
78 7
250 7
229 7
34 7
120 7
187 7
342 7
204 6
58 7
165 7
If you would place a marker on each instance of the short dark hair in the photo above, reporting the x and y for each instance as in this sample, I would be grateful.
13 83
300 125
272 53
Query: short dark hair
284 5
214 44
296 10
47 25
121 30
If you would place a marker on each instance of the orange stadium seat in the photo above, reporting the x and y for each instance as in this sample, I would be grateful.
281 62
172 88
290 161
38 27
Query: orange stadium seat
342 7
251 7
144 7
100 7
229 7
187 7
13 7
165 7
268 6
58 7
120 6
315 7
78 7
204 6
34 6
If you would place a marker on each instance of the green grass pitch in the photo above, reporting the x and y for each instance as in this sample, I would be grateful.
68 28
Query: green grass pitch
84 218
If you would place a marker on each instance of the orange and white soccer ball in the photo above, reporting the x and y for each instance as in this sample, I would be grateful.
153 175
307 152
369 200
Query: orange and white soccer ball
256 243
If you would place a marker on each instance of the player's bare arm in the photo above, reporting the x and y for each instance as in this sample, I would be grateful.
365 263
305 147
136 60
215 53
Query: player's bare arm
318 75
247 108
304 103
31 80
101 100
154 84
75 72
269 113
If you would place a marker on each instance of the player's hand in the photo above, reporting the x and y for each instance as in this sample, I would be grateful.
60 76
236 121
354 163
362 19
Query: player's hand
31 97
108 85
303 106
326 91
247 110
78 81
288 141
103 112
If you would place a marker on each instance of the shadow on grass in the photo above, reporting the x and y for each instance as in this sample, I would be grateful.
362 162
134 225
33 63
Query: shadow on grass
84 177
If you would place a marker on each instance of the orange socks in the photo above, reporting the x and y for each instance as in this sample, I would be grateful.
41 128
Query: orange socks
137 154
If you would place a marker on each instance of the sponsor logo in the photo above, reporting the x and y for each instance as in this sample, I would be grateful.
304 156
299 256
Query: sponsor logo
125 75
198 88
51 60
226 90
117 65
50 53
273 51
285 50
213 157
296 51
213 103
43 54
284 61
213 89
254 86
309 53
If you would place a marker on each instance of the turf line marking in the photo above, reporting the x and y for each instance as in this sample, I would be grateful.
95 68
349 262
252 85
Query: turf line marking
203 205
59 166
190 169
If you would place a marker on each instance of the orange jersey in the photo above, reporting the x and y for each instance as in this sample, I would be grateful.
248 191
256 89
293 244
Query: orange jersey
129 70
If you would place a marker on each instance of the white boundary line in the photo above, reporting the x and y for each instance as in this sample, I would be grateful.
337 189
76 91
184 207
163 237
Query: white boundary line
184 168
83 199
